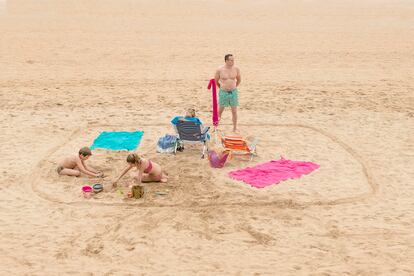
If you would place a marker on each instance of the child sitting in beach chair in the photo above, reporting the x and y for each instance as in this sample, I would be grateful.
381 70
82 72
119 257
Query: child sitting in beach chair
190 129
190 115
73 165
148 171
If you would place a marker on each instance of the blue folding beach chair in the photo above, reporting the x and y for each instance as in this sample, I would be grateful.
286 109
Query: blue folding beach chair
191 132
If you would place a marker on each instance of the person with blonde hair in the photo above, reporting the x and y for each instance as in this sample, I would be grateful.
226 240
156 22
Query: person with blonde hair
148 171
190 115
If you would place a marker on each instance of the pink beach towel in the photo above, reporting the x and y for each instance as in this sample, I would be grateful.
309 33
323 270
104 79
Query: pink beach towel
273 172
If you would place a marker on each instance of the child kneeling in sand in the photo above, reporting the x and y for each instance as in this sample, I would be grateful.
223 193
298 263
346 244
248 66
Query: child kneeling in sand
148 171
73 165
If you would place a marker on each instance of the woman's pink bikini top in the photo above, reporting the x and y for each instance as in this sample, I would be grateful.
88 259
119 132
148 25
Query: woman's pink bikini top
149 168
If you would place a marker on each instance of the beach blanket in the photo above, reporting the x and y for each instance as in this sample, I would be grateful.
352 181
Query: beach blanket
118 140
273 172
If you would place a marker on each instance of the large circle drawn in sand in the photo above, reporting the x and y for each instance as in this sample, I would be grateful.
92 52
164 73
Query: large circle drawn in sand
216 199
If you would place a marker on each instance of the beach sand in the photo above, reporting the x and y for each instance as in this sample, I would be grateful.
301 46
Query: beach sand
326 82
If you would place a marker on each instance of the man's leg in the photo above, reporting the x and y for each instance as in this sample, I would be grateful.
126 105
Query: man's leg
221 109
234 117
222 103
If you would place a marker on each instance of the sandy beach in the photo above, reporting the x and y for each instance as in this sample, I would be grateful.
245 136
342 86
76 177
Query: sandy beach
329 82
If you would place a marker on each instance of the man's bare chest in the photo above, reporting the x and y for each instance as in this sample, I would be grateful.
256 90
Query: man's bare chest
228 74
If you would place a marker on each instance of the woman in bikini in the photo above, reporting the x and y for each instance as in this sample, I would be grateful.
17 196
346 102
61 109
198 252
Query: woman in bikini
148 171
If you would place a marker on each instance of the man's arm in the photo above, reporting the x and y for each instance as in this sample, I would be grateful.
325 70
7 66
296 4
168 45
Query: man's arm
217 77
82 168
238 77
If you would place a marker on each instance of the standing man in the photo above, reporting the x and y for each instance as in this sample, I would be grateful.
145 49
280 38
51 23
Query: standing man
228 79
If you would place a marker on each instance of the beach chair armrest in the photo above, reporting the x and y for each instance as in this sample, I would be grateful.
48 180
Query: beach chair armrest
205 130
253 144
204 134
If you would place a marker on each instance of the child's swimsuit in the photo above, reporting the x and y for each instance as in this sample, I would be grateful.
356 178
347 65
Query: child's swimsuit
149 168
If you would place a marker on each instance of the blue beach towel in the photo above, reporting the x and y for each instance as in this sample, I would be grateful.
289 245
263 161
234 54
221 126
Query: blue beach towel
118 140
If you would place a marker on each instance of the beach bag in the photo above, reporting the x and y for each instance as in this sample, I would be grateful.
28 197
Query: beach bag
167 144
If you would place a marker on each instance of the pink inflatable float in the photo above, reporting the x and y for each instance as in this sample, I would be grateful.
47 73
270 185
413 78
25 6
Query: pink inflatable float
217 160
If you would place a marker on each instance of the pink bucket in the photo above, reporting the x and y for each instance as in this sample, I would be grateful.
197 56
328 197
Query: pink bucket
87 191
